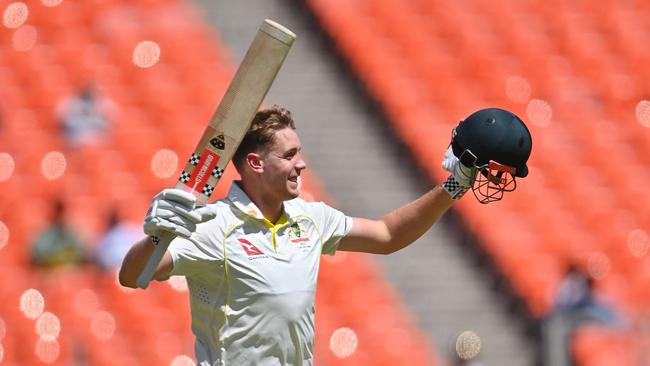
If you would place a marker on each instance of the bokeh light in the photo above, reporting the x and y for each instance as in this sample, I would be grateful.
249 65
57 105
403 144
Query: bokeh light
47 351
539 112
15 15
643 113
32 303
53 165
182 360
86 303
48 326
598 265
2 353
468 345
164 163
638 243
24 38
7 166
343 342
178 283
146 54
102 325
518 89
51 3
4 234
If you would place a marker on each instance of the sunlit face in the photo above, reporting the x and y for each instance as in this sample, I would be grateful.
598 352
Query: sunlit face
282 166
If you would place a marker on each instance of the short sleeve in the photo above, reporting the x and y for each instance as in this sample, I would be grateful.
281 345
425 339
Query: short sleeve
334 226
194 257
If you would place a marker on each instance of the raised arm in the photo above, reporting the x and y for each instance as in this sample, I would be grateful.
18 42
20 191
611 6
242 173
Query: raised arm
404 225
398 228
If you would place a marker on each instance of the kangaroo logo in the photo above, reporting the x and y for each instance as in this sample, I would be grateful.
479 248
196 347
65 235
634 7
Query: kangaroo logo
249 248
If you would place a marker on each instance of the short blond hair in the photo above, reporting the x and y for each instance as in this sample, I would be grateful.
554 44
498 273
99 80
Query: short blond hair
262 131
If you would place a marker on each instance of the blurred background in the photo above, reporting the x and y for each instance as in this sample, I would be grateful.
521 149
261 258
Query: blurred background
102 100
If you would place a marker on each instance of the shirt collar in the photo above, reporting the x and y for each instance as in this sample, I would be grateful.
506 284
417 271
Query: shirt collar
240 199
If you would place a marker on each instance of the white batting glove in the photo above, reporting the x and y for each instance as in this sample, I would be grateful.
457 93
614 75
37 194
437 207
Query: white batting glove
462 177
172 210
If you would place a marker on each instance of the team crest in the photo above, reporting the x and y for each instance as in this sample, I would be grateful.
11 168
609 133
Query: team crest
296 235
296 230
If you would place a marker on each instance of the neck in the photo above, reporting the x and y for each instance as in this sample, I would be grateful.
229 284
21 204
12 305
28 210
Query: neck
270 207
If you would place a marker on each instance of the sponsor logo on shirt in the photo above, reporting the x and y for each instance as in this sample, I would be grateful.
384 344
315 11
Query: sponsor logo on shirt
249 248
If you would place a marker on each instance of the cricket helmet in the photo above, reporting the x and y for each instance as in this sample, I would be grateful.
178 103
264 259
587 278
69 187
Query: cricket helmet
498 144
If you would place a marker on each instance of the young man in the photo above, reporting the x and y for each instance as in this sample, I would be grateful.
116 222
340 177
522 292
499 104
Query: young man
251 259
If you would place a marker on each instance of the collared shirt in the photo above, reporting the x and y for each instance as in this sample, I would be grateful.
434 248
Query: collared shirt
252 282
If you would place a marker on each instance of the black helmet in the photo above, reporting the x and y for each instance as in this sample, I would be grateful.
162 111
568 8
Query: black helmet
498 144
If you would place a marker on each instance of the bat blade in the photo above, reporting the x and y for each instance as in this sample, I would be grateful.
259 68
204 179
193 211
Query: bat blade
230 122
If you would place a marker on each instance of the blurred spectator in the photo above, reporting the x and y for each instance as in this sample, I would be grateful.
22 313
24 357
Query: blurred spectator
58 245
84 117
578 299
577 302
117 241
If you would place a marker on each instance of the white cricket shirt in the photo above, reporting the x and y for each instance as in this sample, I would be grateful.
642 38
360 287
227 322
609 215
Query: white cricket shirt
252 283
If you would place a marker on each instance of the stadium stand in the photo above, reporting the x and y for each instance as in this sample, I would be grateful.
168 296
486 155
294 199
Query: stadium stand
95 321
576 72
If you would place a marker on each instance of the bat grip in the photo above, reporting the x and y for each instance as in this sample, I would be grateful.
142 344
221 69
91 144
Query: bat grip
150 268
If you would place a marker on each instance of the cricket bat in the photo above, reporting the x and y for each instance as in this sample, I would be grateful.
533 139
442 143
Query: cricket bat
229 124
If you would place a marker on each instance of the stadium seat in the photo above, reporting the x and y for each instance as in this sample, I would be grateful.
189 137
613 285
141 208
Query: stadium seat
593 152
93 42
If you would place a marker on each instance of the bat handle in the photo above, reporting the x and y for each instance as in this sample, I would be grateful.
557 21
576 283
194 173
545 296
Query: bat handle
150 268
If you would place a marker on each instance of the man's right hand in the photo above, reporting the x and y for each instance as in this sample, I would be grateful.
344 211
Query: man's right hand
462 177
463 174
172 210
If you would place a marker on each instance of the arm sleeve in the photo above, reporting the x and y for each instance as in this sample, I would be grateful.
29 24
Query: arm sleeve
334 225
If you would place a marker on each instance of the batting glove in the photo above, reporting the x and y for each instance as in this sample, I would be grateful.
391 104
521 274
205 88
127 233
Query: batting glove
462 176
172 210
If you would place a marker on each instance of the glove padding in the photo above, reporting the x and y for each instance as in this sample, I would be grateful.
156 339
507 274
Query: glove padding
172 210
462 176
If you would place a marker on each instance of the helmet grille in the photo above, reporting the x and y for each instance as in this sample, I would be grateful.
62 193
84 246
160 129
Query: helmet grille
492 180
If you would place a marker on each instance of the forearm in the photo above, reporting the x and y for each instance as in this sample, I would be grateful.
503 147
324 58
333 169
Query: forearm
409 222
398 228
134 262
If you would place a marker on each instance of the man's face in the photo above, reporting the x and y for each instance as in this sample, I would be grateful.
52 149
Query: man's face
282 165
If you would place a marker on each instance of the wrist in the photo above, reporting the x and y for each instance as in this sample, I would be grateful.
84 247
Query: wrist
455 189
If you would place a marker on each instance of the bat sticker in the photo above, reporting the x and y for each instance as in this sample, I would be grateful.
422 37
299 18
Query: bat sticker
194 159
203 169
217 172
218 142
185 177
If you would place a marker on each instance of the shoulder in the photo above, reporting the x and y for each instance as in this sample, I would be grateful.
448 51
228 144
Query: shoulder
224 216
220 204
298 206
